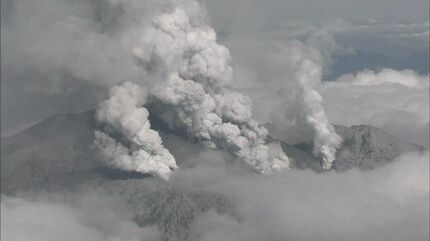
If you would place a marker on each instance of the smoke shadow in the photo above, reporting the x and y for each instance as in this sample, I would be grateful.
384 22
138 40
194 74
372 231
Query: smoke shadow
116 174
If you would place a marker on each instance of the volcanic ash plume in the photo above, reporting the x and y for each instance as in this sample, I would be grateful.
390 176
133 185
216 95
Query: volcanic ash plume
143 151
195 96
308 73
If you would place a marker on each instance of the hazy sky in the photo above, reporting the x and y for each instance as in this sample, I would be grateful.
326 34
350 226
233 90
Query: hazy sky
48 65
243 15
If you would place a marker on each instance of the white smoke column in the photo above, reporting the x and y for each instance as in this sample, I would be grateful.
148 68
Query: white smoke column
124 112
309 74
195 96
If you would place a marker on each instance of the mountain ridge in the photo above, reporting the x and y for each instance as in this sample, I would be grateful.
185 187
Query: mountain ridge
56 155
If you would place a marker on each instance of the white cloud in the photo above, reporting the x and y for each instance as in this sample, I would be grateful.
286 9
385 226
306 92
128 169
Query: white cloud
396 101
86 219
390 203
252 15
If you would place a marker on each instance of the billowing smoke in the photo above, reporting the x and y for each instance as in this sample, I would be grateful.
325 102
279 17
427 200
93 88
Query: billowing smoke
124 113
192 96
284 70
308 75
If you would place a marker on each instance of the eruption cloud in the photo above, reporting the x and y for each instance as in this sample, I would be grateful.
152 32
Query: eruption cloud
300 68
193 96
285 72
124 113
308 74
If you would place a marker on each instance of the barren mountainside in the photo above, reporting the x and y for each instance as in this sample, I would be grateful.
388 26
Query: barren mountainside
57 155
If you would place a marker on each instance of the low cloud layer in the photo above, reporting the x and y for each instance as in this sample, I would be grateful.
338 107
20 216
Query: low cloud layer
396 101
390 203
87 218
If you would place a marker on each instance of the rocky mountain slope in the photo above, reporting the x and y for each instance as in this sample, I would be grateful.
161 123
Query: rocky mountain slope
365 147
57 155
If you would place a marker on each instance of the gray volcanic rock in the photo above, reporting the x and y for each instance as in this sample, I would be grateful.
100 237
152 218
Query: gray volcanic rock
53 155
363 146
368 147
172 209
56 155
